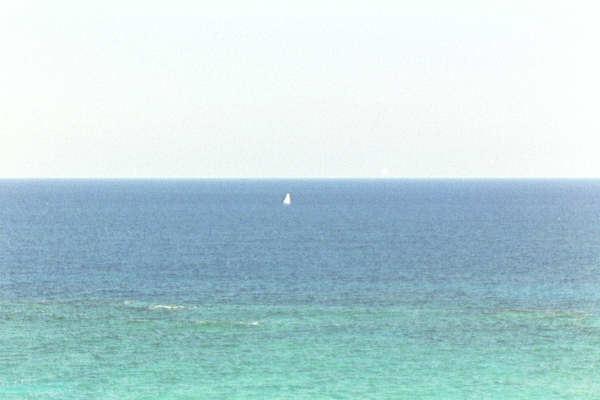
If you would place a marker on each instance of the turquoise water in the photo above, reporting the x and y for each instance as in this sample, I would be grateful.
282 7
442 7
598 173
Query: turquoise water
359 290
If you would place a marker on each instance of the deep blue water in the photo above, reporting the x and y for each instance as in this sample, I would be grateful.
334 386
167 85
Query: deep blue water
360 289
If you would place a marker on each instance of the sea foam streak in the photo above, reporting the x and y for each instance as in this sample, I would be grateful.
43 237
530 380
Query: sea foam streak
166 307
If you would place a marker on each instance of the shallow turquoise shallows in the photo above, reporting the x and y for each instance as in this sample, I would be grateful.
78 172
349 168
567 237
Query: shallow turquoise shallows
360 289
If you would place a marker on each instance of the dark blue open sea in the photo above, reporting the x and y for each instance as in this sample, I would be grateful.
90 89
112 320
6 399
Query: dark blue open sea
361 289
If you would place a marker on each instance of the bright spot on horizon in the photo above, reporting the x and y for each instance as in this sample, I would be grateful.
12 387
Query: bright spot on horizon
384 172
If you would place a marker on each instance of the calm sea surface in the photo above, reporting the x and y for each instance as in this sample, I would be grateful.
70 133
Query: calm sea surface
361 289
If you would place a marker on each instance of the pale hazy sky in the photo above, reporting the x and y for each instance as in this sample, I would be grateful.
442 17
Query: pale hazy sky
317 89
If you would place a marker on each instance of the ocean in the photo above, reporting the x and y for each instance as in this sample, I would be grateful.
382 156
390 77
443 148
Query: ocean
360 289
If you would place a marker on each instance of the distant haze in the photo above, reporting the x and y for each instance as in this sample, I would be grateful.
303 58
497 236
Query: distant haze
321 89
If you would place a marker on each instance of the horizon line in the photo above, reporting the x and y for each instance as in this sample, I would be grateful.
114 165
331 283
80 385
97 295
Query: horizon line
374 178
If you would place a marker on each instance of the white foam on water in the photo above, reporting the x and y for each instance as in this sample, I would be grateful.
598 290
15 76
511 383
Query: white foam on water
166 307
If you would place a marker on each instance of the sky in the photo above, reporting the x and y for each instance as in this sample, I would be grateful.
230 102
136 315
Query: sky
311 89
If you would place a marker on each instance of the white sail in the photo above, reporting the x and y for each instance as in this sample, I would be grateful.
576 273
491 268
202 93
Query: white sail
287 200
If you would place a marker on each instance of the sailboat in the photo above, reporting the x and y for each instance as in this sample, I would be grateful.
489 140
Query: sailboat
287 200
